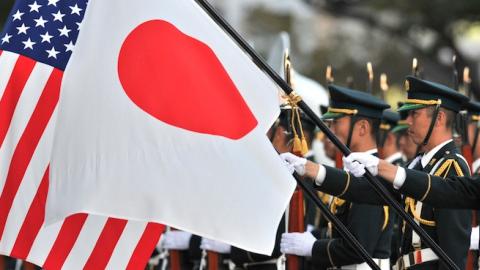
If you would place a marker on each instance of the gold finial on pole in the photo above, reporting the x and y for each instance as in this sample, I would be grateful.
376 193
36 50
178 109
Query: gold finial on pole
287 68
466 75
300 146
384 84
415 67
455 73
329 75
467 81
370 71
370 77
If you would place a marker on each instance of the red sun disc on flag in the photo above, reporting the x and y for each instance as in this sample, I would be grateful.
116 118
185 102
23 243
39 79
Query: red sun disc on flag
180 81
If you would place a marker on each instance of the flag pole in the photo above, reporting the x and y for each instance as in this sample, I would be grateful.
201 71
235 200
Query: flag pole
374 182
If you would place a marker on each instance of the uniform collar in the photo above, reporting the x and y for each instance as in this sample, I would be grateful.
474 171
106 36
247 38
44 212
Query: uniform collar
394 157
476 165
428 156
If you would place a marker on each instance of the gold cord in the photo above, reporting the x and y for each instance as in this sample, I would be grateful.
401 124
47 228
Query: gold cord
386 217
345 111
424 102
410 203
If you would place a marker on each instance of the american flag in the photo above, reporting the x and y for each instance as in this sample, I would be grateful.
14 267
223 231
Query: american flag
35 47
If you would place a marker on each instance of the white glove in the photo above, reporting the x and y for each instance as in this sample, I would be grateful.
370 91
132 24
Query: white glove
300 244
294 163
354 162
474 239
178 240
353 167
216 246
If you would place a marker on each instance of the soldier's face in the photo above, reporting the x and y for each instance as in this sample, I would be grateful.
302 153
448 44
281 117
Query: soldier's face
280 140
419 122
407 146
471 131
340 128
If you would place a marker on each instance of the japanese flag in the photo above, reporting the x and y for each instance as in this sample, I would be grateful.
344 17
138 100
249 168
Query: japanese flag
162 117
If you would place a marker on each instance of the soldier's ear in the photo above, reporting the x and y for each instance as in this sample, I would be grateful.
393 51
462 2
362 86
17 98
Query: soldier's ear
441 118
364 127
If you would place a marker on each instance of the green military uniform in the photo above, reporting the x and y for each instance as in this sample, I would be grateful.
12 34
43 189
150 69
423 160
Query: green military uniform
401 126
368 223
390 123
450 192
472 109
401 129
449 228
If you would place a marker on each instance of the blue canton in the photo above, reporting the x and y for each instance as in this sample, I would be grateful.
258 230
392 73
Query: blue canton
44 30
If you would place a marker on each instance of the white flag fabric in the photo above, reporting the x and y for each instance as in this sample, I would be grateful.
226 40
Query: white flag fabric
162 118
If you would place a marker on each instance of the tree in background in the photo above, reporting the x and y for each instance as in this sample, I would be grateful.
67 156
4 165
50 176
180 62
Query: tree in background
432 29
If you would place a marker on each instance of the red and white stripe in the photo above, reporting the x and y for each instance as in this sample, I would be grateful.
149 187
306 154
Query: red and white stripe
29 93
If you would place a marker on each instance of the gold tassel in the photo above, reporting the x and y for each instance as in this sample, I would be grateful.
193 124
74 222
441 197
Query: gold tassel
303 143
304 146
300 146
297 145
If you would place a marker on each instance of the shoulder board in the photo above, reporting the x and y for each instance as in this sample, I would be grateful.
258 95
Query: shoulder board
464 161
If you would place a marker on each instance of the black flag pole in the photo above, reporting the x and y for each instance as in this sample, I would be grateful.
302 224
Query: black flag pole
374 182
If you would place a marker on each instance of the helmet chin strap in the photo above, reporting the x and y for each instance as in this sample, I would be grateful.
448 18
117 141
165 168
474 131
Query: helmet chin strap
430 128
353 119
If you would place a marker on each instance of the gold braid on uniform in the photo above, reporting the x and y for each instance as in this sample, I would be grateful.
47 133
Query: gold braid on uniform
428 188
424 102
411 204
444 169
344 111
330 255
336 202
323 196
458 169
346 186
386 217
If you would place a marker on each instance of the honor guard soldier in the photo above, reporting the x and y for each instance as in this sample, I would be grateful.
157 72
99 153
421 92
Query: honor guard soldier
432 108
389 138
405 142
355 118
472 121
